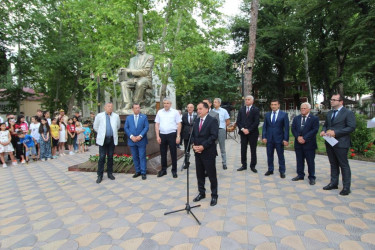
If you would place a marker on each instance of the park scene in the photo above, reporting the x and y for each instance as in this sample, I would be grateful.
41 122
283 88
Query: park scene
243 124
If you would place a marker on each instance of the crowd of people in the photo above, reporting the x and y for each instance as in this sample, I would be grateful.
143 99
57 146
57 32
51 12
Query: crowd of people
43 138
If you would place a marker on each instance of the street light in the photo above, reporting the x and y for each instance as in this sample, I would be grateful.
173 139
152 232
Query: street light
242 67
104 77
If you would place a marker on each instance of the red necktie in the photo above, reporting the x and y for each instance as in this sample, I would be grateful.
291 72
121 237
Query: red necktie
247 110
200 125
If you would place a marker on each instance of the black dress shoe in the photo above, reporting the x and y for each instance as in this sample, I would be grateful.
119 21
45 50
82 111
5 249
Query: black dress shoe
330 187
174 174
136 175
282 175
254 169
297 178
345 191
144 177
100 178
268 173
312 182
224 166
185 167
213 201
199 197
242 168
110 176
161 173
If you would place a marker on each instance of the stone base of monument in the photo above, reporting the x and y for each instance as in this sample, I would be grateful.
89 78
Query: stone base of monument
153 165
152 151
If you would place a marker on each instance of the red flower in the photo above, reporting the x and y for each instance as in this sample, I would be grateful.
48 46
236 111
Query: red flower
365 150
352 155
351 150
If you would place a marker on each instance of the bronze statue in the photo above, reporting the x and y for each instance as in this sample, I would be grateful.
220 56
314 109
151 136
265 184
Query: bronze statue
136 79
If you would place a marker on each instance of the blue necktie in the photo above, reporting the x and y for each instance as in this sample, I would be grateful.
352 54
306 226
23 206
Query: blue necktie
333 116
136 121
274 117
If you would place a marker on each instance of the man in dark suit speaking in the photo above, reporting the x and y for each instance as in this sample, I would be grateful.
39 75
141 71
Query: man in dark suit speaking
247 123
276 135
339 123
136 127
304 128
205 132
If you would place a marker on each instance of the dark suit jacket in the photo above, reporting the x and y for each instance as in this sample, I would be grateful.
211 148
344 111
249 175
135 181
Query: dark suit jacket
308 132
142 128
343 124
250 121
207 136
186 125
277 132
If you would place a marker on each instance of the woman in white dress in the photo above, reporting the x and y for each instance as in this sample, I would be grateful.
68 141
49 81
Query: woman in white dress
63 137
5 145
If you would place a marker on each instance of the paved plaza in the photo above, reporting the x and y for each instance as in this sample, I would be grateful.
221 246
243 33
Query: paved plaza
43 206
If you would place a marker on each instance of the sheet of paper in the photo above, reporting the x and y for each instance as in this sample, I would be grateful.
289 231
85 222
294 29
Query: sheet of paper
331 140
371 123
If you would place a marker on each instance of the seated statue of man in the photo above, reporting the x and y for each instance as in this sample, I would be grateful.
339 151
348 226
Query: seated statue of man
137 77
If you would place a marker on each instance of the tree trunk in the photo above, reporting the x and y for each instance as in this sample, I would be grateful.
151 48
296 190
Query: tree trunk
164 75
308 75
252 45
140 26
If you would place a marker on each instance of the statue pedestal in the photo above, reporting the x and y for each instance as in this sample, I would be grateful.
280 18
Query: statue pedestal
152 149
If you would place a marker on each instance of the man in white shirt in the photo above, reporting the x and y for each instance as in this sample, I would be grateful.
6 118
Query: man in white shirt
168 129
106 125
223 123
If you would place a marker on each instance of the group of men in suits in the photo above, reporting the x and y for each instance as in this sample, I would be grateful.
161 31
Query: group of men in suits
203 130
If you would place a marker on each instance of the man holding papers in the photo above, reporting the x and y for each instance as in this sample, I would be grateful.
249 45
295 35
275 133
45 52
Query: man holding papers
339 123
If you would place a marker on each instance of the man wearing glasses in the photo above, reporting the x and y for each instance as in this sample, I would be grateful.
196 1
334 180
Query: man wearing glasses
339 123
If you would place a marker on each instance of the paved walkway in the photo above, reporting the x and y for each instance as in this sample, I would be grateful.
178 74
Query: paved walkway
43 206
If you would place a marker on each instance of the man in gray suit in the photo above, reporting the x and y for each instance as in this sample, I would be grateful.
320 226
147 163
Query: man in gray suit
339 123
211 112
137 77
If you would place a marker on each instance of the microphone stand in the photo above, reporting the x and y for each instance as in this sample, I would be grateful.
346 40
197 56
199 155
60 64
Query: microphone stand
186 164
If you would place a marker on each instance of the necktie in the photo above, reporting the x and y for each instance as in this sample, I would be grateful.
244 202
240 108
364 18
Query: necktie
333 116
247 110
303 121
191 119
200 125
136 121
274 117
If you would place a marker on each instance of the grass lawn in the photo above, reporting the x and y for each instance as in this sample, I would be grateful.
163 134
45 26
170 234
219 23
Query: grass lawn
321 145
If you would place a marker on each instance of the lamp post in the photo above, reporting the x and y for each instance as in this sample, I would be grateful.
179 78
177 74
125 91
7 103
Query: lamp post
104 77
241 68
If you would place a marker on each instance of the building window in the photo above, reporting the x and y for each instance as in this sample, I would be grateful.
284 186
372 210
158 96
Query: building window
291 105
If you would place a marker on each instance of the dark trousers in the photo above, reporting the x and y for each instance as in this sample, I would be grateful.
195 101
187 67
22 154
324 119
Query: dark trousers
168 140
271 146
338 159
207 165
106 150
309 156
251 139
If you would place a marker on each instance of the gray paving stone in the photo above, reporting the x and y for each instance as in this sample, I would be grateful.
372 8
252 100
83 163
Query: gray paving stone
103 239
26 242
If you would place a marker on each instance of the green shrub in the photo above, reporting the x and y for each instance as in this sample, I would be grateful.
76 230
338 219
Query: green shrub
361 136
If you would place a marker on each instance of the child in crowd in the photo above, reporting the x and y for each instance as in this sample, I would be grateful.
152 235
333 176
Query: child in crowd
21 124
71 128
28 142
55 135
5 145
80 137
47 115
75 144
13 133
63 136
34 128
44 141
87 134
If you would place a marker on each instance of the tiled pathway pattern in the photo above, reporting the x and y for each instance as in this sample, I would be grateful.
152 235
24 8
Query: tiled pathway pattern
43 206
